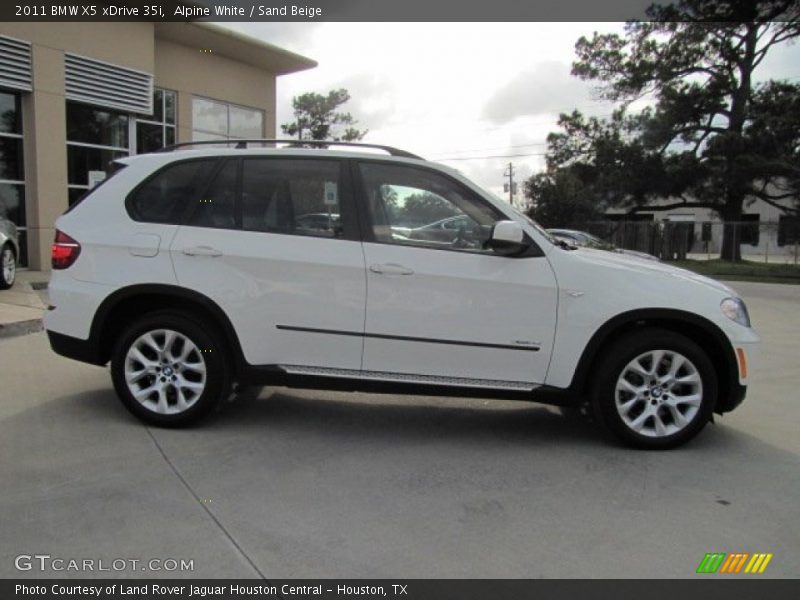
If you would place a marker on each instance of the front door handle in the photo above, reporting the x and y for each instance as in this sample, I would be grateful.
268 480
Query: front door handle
202 251
391 269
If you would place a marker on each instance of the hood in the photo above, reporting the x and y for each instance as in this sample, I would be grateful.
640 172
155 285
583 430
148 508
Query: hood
642 266
635 253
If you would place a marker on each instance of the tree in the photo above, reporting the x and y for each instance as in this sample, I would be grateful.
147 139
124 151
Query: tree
561 198
713 139
317 118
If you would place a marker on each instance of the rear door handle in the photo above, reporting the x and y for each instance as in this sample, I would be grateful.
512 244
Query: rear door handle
201 251
391 269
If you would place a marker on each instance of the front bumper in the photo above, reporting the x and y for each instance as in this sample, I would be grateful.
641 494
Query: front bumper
733 399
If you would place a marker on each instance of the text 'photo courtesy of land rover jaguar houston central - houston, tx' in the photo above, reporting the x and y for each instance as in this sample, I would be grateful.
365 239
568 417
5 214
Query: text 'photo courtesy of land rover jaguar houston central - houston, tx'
196 269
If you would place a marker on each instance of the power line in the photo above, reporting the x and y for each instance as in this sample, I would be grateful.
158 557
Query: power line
494 156
533 144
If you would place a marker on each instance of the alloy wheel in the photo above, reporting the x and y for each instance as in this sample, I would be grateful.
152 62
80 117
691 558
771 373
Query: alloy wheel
659 393
165 371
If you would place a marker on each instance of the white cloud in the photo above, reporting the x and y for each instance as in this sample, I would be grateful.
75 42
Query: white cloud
546 88
450 90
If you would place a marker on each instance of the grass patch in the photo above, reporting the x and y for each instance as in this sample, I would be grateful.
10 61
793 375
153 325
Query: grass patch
745 270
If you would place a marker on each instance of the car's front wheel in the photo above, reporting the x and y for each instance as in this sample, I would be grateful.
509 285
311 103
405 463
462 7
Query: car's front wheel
655 389
8 265
169 370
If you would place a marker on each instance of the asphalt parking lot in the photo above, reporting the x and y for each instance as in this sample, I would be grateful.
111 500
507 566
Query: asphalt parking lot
299 484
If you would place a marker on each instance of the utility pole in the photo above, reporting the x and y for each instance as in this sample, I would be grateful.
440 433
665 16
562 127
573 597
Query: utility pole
510 187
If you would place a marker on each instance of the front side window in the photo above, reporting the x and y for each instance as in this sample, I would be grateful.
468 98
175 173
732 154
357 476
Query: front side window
166 197
297 197
419 207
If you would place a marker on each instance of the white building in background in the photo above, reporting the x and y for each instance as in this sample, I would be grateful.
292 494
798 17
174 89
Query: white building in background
764 230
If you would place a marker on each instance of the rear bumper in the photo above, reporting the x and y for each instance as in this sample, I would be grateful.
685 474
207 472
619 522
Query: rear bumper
74 348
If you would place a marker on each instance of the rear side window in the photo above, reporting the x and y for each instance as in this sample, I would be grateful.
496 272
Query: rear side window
215 208
297 197
165 197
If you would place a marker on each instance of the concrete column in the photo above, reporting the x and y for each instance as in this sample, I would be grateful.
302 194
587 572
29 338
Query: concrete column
45 132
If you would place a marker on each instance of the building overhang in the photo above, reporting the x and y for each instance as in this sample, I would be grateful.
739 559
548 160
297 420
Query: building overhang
234 45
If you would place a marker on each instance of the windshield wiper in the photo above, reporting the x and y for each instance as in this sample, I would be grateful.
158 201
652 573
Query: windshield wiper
565 245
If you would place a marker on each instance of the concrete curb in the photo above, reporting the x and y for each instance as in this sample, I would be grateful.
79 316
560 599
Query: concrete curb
21 328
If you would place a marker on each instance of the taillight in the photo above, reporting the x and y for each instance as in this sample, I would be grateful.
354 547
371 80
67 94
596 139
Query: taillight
65 251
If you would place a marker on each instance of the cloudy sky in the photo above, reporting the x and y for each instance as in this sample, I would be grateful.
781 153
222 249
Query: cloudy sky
466 94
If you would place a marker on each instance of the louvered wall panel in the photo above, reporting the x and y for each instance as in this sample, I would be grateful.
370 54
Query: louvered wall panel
15 64
111 86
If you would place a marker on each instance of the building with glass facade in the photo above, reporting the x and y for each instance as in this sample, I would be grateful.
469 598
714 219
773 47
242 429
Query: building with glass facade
74 96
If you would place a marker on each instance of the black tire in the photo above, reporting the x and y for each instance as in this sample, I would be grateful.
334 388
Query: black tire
6 281
217 381
615 364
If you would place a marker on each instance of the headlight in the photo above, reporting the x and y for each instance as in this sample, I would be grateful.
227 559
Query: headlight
735 310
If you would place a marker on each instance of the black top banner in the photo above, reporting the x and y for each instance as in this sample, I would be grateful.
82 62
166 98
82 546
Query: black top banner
328 10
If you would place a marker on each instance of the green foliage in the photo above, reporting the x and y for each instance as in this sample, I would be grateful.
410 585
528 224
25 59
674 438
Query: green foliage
562 199
316 118
712 138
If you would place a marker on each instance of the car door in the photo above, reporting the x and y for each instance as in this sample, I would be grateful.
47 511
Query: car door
448 310
281 277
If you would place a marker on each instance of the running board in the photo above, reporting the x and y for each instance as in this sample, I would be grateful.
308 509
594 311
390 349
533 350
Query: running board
467 382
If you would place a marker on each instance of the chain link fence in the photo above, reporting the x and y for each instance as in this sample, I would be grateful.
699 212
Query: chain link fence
775 242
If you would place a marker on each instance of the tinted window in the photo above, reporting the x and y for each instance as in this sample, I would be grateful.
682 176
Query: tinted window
298 197
12 203
215 207
11 158
96 126
149 137
10 121
165 197
78 195
421 208
82 159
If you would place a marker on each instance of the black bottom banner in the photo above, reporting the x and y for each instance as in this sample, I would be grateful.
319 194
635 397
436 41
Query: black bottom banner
408 589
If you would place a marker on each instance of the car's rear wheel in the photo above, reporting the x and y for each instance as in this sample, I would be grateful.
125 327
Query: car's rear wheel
8 265
170 370
655 389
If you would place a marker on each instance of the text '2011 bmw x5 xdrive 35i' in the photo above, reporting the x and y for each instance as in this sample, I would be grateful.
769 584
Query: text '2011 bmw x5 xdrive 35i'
192 270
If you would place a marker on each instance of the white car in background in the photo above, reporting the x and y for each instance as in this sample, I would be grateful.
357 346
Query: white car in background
189 271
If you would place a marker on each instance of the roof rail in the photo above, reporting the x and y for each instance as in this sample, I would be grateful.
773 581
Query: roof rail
242 144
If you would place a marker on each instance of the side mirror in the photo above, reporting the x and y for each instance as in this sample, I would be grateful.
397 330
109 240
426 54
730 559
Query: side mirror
507 238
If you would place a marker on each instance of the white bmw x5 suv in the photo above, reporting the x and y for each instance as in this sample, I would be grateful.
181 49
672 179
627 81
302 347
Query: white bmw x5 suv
192 270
